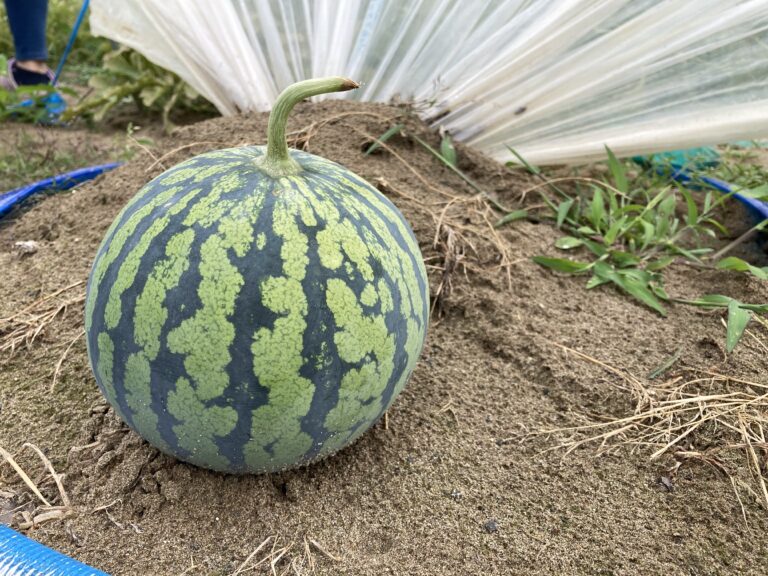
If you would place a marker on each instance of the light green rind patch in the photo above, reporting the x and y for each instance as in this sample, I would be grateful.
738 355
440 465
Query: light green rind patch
200 424
207 173
149 318
206 357
359 395
205 338
277 439
126 275
369 297
387 304
121 236
395 259
105 367
211 208
137 380
261 240
359 337
341 238
176 175
150 314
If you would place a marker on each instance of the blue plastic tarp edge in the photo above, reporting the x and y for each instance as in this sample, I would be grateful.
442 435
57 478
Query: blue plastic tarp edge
61 182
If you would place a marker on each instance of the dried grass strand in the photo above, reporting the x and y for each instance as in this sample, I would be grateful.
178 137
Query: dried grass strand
23 475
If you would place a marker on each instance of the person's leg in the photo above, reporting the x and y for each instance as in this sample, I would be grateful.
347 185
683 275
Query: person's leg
27 19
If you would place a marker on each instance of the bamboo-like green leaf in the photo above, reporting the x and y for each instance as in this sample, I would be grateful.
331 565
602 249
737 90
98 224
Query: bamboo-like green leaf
658 289
396 129
649 231
665 365
714 223
597 208
660 264
738 318
655 201
739 265
629 208
692 218
456 171
613 202
614 230
644 294
447 150
624 259
756 308
562 265
604 271
618 172
636 273
596 248
664 215
711 301
758 193
562 211
568 242
596 281
689 254
528 166
512 216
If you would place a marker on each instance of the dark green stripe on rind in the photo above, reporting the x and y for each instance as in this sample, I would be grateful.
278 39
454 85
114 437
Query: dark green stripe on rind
311 388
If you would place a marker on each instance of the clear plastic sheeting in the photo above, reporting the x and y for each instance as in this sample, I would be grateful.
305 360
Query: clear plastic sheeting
557 80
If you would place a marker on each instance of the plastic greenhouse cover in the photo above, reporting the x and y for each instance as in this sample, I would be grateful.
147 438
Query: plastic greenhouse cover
557 80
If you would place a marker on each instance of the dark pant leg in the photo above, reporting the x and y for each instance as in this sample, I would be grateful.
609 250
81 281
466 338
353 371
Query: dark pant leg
27 20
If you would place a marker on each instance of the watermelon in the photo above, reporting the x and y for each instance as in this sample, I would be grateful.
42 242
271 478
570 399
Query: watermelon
255 309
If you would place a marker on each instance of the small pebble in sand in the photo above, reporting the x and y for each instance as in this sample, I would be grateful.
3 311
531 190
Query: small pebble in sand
491 526
26 247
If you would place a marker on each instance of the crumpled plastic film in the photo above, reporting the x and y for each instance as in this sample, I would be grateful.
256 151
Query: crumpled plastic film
557 80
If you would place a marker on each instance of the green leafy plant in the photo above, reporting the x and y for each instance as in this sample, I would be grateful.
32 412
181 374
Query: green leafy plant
741 168
739 265
127 76
628 230
628 233
739 314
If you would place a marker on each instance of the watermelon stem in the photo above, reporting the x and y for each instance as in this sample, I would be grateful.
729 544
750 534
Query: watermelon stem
278 162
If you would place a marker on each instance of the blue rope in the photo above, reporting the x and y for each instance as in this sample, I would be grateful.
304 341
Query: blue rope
71 41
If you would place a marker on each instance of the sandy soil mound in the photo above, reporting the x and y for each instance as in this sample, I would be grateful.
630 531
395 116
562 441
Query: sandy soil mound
455 480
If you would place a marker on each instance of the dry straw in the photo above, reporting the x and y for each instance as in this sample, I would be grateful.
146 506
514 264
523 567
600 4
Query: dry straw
696 407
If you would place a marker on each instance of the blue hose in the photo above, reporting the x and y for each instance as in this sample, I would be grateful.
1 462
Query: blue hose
757 208
61 182
20 555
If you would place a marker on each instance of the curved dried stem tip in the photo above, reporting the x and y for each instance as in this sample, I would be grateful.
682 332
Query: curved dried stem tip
277 161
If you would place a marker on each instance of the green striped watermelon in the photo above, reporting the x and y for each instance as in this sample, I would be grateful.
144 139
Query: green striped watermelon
255 309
